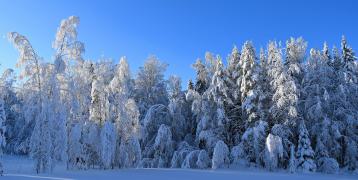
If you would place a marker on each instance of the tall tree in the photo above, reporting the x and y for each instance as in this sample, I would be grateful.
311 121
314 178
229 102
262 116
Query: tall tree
264 89
284 113
150 86
248 84
66 45
284 109
38 110
295 53
233 109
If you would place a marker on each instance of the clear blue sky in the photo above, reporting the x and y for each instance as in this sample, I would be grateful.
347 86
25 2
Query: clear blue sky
177 31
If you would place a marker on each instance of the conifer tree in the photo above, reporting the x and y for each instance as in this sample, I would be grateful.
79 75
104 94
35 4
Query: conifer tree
304 154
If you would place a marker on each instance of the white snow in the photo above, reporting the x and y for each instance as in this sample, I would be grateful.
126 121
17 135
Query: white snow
21 168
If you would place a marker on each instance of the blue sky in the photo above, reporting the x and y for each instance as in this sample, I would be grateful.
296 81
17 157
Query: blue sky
177 31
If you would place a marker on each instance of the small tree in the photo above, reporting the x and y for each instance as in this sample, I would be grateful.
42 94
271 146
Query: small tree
220 155
164 146
304 154
273 151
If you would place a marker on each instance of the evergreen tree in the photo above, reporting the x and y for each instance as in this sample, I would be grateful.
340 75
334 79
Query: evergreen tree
284 108
304 154
248 84
348 55
201 83
190 85
263 89
233 76
233 110
218 92
295 53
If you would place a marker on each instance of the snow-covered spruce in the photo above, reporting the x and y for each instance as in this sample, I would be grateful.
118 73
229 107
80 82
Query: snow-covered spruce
304 154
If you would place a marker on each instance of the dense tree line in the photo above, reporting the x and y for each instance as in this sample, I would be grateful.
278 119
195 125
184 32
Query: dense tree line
280 108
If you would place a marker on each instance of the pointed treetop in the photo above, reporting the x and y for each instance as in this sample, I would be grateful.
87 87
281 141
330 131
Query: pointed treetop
348 55
325 52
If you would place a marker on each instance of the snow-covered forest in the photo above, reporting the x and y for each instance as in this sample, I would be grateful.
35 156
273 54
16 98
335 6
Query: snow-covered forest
283 108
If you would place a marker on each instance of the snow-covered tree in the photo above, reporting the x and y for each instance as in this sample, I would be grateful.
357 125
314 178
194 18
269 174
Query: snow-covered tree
41 143
163 146
99 107
273 151
295 53
108 144
210 64
191 160
190 85
177 108
157 116
75 147
2 125
182 150
129 126
248 84
220 156
91 142
348 56
124 112
292 163
233 109
304 154
150 86
285 99
319 96
324 162
233 72
263 89
120 89
51 91
12 114
253 142
202 80
218 92
129 130
68 52
209 109
37 111
203 161
130 153
66 45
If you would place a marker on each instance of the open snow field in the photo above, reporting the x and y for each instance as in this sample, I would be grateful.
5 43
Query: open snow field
21 168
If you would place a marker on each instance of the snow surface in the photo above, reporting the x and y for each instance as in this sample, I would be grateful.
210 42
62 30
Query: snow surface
21 168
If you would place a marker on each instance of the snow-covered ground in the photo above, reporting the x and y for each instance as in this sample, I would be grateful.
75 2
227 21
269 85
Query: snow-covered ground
21 168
